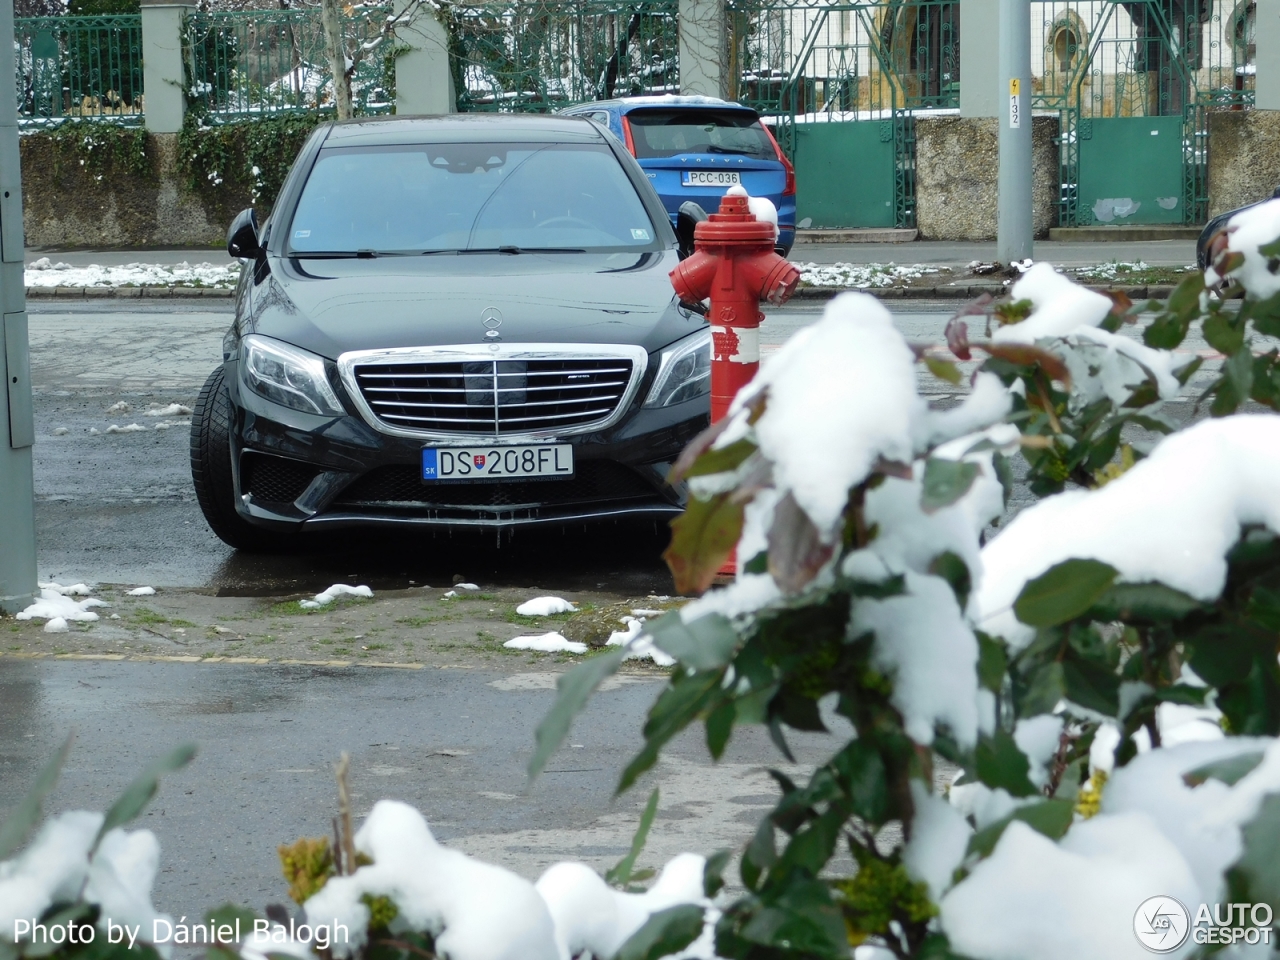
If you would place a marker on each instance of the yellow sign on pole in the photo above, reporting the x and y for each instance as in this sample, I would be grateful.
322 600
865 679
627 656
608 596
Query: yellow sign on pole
1014 87
1015 104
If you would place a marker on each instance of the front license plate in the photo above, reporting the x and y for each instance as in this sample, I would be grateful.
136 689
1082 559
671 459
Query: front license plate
711 178
497 463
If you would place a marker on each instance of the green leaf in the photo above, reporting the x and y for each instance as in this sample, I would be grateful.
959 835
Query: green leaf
1091 685
760 854
812 846
1185 372
707 643
1064 592
664 933
1256 875
758 564
1229 770
1004 473
1150 602
620 875
1049 817
865 780
713 872
1223 334
1046 687
998 762
943 369
573 690
702 539
677 706
27 813
720 727
945 482
138 794
992 662
722 460
1233 387
951 568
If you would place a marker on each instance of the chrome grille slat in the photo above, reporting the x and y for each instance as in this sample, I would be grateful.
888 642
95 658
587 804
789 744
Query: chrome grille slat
499 396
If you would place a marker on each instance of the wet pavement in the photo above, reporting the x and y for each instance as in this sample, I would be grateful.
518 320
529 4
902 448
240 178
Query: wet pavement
454 743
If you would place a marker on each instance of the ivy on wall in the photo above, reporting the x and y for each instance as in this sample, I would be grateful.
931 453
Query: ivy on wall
254 153
100 149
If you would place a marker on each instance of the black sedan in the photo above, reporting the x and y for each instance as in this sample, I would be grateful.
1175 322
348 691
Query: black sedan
454 321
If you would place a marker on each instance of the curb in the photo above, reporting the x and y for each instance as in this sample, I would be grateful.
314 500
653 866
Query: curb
127 293
257 661
1153 292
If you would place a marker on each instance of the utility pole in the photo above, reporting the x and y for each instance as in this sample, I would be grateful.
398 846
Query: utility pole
17 429
1013 210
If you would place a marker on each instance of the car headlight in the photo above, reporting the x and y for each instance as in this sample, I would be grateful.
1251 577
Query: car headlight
684 371
287 375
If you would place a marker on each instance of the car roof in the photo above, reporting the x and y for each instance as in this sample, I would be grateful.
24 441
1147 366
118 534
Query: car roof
463 128
626 104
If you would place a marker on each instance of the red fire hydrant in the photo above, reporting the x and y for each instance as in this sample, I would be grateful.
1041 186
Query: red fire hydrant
734 263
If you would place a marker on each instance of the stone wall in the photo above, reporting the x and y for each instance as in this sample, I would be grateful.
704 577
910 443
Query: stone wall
957 171
1244 157
66 207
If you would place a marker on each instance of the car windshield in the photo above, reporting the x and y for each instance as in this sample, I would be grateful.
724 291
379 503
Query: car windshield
468 197
669 133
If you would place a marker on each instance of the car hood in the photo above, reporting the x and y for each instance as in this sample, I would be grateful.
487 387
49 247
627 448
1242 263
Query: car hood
332 306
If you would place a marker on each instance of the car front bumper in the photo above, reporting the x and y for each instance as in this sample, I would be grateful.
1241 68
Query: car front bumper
296 471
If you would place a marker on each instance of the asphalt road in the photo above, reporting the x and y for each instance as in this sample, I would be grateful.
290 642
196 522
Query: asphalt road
119 508
454 743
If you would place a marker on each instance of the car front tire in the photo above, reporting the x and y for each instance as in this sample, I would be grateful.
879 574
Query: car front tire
211 469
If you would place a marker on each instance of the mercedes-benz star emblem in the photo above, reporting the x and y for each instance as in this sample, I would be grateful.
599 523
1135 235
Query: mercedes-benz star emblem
491 317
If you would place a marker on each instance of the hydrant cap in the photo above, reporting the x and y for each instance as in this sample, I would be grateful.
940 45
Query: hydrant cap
734 223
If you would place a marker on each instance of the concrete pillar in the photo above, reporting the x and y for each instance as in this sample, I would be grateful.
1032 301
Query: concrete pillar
703 33
424 82
1267 36
980 58
17 500
163 79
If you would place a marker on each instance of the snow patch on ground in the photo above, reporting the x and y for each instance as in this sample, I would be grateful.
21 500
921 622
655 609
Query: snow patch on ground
170 410
46 273
327 597
142 592
862 275
545 607
75 590
131 428
53 605
551 642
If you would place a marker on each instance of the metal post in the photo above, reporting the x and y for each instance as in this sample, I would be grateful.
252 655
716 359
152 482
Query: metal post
1013 224
17 432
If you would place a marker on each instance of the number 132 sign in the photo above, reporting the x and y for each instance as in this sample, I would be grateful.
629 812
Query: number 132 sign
1015 104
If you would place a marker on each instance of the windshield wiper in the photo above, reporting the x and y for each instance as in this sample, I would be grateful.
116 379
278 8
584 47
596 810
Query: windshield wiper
730 150
350 254
513 250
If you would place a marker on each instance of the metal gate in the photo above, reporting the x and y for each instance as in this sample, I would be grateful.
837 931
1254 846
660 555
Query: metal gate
1133 82
842 85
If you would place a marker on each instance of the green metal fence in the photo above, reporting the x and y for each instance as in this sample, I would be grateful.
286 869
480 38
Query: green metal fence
541 56
843 84
253 62
81 67
1134 82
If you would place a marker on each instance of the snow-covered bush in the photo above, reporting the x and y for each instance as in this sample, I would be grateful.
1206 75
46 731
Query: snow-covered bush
1102 670
82 886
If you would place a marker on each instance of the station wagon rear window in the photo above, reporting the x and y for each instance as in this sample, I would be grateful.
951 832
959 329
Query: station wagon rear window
669 133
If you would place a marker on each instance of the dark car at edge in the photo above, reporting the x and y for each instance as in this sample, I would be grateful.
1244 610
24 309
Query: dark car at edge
445 322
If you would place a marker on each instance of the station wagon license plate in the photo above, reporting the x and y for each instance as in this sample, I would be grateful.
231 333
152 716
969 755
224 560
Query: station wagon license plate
711 178
497 463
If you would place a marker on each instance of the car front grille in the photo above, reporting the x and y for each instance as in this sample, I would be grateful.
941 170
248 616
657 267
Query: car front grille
496 396
594 480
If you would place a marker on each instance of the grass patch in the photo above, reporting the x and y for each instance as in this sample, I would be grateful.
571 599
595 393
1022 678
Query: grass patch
376 646
1132 273
345 651
148 617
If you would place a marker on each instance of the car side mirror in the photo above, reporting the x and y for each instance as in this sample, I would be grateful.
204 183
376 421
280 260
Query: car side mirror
688 217
242 235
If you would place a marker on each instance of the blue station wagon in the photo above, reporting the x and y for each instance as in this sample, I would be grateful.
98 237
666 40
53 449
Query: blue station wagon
695 148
